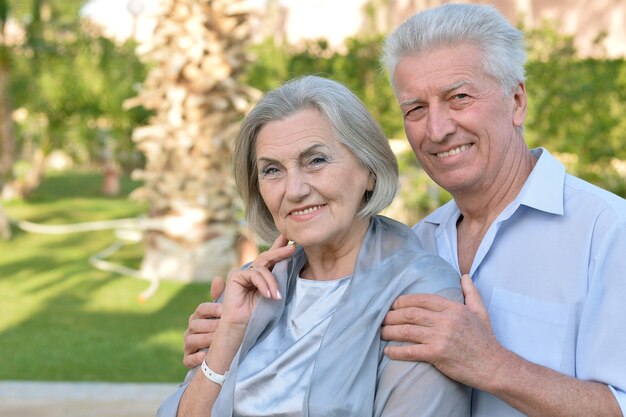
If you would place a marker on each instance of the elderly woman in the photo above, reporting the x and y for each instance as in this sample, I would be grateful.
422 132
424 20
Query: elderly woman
313 166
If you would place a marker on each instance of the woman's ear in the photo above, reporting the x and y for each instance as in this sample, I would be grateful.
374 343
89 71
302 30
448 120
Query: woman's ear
371 182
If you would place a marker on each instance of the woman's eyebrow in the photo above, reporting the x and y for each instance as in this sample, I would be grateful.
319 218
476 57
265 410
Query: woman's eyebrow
317 147
312 150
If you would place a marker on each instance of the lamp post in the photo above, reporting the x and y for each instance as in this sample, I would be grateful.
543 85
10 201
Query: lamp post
135 8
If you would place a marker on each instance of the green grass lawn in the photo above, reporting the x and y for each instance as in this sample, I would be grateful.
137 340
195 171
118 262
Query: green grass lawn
63 320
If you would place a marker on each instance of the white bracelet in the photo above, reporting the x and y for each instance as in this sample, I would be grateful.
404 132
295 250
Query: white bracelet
212 375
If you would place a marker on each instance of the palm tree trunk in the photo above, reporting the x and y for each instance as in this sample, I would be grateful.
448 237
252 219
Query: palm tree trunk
198 51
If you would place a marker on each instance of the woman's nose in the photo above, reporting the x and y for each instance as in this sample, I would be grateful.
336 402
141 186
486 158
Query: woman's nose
297 186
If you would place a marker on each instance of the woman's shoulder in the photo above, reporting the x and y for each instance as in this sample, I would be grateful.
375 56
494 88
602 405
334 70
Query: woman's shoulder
423 271
401 239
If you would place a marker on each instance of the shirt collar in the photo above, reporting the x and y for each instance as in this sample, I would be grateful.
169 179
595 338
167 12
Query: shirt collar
542 191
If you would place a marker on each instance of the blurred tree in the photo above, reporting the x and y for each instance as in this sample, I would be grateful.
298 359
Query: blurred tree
198 51
356 65
577 107
7 138
69 82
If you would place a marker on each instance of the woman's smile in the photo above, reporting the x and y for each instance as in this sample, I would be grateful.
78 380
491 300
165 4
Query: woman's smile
311 183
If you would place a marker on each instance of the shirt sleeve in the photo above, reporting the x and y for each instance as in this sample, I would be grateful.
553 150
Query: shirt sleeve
418 389
601 350
169 407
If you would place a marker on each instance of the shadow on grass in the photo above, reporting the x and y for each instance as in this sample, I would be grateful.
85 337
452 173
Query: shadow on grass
66 339
61 319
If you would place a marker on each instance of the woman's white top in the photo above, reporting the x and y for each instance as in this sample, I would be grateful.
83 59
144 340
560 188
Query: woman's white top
275 382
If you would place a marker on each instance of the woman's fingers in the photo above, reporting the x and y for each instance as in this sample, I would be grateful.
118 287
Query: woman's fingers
258 278
279 250
265 282
279 242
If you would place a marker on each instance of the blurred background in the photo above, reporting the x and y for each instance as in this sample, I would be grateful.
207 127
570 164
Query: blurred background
116 117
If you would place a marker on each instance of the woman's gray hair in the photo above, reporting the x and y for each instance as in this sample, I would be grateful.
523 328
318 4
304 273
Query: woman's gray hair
502 46
353 124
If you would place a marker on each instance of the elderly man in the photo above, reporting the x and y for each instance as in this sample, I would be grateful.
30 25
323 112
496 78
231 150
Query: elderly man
546 252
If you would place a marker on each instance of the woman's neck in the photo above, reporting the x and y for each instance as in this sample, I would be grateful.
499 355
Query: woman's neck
336 260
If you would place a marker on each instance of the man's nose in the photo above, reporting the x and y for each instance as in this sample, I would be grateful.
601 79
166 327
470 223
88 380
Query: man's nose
439 123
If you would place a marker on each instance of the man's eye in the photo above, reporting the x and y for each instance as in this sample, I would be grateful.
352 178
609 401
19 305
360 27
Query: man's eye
414 113
461 96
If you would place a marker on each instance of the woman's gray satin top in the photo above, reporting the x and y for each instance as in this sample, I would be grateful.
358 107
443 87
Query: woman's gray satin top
350 374
291 348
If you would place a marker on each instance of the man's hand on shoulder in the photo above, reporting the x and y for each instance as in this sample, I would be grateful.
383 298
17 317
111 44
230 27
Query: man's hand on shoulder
455 338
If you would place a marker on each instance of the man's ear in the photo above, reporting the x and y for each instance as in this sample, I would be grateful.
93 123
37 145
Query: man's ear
519 105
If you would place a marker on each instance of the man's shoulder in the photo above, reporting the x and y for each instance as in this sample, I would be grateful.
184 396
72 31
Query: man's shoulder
438 216
580 192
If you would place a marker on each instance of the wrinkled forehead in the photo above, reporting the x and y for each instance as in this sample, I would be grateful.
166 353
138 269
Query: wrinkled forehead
440 69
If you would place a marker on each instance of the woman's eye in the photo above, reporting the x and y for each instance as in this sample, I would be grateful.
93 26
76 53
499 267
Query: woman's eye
269 171
318 159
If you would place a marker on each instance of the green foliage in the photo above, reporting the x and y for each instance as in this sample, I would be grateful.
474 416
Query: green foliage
419 194
356 66
72 82
63 320
577 106
4 13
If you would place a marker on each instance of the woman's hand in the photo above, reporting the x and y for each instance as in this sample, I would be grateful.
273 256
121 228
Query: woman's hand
206 318
243 289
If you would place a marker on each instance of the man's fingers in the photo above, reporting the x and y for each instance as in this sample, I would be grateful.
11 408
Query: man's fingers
406 333
426 301
207 311
472 298
194 359
409 352
409 315
197 341
217 287
199 326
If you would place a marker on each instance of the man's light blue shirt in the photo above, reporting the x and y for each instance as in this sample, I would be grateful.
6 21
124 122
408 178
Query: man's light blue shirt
552 272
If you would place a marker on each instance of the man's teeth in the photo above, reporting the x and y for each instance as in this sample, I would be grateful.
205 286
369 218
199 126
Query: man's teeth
306 210
454 151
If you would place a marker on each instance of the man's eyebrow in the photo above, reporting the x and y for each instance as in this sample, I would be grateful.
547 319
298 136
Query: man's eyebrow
411 101
444 90
452 87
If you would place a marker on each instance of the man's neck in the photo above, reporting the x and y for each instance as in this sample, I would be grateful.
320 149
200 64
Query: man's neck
484 205
480 208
